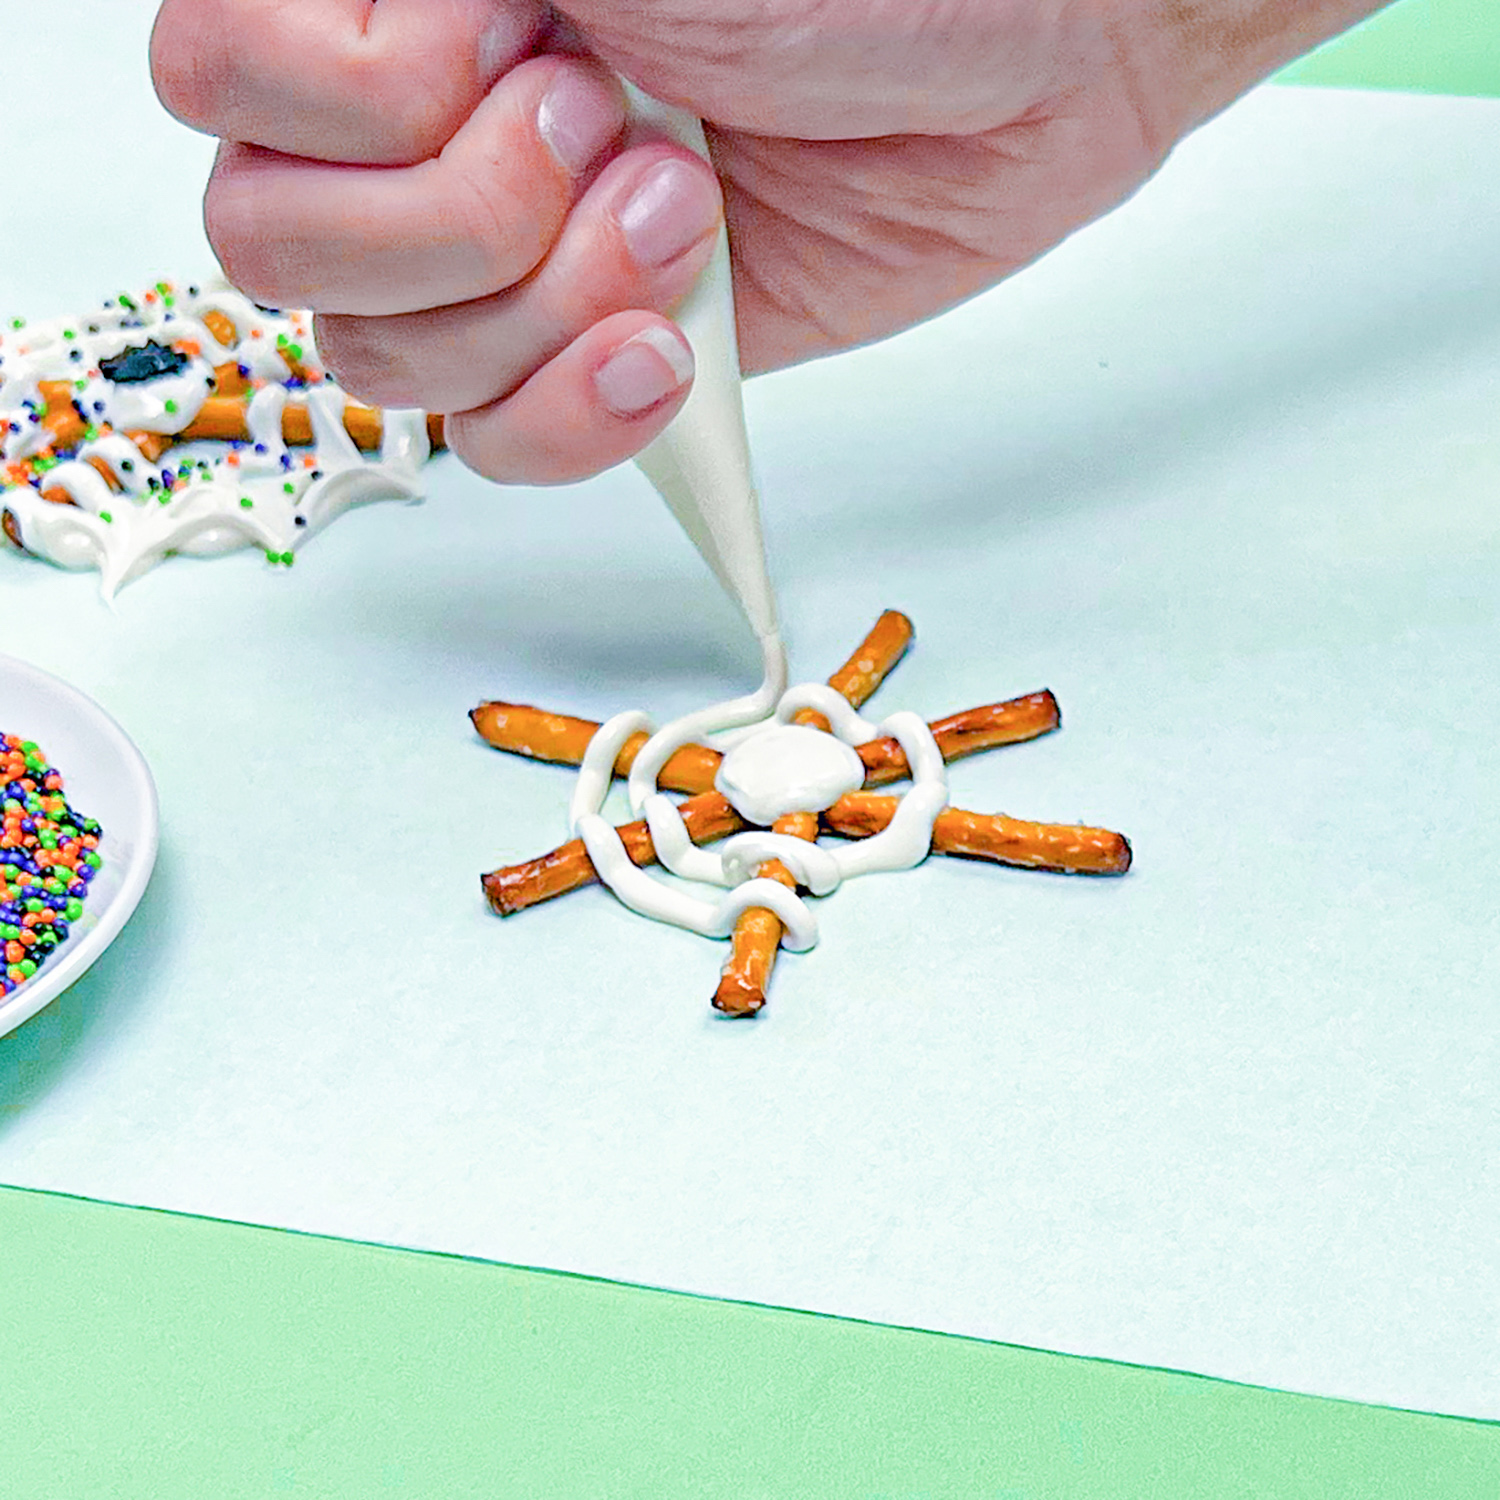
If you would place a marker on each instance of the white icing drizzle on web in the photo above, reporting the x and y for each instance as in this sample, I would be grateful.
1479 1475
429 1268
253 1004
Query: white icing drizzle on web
777 769
202 497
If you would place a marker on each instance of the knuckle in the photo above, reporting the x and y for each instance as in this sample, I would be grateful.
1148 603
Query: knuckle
182 70
247 257
507 238
366 361
414 116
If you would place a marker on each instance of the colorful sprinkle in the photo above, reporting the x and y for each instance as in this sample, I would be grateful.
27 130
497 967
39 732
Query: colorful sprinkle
48 858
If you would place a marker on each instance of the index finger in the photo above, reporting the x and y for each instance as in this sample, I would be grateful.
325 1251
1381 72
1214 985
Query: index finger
337 80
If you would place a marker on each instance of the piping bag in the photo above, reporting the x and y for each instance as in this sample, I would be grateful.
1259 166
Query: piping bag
700 465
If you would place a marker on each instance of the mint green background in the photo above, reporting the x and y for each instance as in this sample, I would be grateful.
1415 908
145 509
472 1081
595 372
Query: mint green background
1438 46
147 1354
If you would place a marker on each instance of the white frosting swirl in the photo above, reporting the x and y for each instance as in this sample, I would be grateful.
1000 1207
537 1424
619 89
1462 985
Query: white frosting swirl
777 769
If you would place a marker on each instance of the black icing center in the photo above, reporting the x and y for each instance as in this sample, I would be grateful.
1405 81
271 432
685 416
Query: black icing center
148 362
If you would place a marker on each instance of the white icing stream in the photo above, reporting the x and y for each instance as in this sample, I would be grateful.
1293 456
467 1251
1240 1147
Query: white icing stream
701 466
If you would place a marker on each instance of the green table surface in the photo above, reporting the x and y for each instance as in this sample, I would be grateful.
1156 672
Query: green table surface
156 1354
150 1354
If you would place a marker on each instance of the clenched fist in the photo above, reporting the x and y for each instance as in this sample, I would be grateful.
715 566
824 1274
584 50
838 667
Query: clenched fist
454 188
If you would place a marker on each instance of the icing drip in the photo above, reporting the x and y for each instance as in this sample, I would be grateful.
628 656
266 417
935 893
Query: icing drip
146 366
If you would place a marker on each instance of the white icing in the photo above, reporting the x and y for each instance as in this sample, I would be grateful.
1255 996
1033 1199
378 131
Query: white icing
701 466
777 769
200 509
787 768
167 404
732 714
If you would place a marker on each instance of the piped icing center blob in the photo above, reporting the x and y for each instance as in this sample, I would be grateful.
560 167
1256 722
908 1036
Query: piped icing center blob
787 768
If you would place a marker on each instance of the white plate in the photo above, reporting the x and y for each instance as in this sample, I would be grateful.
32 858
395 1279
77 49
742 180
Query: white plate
105 778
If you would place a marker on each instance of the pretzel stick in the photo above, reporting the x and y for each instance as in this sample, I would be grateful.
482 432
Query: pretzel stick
562 739
1007 841
222 418
708 816
1063 847
872 662
61 417
757 931
967 733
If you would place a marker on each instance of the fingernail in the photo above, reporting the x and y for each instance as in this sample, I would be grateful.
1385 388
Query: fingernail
669 211
642 371
578 117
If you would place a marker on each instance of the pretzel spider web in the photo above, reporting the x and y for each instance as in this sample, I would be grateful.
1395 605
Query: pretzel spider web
708 815
185 420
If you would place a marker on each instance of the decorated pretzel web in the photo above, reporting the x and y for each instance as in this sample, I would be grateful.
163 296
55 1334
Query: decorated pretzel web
773 914
185 420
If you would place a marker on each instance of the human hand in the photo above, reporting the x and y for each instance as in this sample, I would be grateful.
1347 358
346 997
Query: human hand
452 187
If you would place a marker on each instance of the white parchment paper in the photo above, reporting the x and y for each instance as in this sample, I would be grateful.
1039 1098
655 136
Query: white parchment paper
1224 472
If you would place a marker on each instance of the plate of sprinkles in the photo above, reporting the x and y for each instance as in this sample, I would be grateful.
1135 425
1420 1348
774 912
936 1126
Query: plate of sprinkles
78 834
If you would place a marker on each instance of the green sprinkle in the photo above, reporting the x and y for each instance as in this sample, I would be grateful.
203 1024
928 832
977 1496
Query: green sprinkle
246 503
68 333
289 488
74 909
161 286
273 557
295 350
105 516
80 385
18 322
165 498
93 858
27 967
287 559
126 303
171 406
167 300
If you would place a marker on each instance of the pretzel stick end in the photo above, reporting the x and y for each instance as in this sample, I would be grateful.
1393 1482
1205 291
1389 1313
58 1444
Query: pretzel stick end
738 997
888 640
757 933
